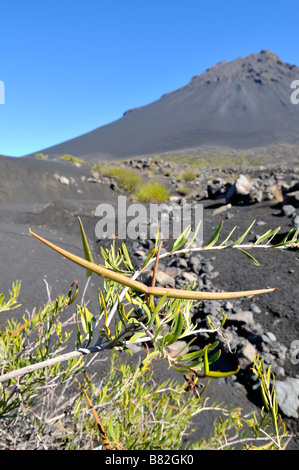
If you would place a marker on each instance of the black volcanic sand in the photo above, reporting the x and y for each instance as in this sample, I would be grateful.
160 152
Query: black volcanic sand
30 196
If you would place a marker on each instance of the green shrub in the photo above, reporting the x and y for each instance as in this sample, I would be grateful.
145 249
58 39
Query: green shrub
154 191
126 179
71 158
188 175
41 156
183 190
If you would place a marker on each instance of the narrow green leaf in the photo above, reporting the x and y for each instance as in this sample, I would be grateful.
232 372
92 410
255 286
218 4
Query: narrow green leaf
136 336
194 236
111 429
215 356
268 376
149 357
72 297
228 236
215 374
157 237
178 328
86 248
224 317
264 396
215 237
286 241
158 329
160 304
268 235
219 375
153 317
250 257
149 256
172 308
241 238
162 341
127 256
189 357
179 368
181 239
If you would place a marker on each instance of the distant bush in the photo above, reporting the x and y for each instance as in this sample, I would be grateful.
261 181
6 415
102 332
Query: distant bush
154 191
188 175
71 158
97 167
167 172
183 190
126 179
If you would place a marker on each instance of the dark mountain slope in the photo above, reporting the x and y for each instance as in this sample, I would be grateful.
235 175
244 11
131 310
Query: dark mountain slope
239 105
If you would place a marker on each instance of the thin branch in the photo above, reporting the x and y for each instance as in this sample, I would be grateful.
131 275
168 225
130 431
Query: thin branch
155 291
97 419
51 362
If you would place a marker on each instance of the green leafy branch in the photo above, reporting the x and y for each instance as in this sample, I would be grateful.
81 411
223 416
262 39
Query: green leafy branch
163 323
115 275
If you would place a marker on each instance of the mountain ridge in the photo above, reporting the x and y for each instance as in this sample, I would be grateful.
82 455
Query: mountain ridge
241 105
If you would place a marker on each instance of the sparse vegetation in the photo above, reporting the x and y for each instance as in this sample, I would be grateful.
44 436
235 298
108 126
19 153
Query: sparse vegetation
71 158
183 190
126 179
167 172
188 175
154 191
216 160
41 156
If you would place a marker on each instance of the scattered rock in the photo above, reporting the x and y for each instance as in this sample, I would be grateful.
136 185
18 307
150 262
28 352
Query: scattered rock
173 271
255 309
217 188
190 277
165 280
64 180
292 198
222 209
275 192
241 187
288 210
287 393
295 221
246 354
175 348
240 317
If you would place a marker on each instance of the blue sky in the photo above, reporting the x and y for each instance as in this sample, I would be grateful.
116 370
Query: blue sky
70 66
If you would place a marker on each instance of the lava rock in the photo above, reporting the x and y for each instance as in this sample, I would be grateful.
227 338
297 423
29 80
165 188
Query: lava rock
246 354
295 221
287 392
288 210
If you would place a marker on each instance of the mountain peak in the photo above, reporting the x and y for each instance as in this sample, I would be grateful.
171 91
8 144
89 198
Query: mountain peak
239 105
261 68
